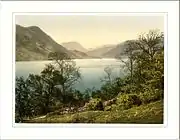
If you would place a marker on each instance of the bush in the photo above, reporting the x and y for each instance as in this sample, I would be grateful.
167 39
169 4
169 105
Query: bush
151 95
126 101
94 104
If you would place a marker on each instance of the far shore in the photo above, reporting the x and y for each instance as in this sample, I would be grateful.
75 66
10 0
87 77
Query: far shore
72 59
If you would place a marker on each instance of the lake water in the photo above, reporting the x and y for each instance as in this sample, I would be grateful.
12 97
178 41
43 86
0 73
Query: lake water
92 70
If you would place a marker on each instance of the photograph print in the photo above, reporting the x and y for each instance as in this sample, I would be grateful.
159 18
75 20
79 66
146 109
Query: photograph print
99 68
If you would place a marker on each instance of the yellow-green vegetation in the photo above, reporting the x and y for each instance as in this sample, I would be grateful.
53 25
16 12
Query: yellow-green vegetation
128 100
151 113
94 104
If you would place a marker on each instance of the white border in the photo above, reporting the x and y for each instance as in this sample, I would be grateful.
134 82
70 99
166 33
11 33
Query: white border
171 131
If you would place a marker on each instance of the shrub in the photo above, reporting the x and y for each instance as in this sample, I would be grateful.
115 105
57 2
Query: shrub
126 101
94 104
151 95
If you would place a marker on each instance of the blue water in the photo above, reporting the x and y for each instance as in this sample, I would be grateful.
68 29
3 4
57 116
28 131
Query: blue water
92 70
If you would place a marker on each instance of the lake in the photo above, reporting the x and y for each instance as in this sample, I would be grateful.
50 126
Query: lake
92 70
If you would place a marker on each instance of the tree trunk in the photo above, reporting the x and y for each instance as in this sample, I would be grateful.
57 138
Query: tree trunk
131 61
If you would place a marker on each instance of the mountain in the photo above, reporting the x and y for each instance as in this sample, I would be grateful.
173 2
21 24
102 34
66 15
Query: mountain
112 53
100 51
108 51
81 55
74 46
34 44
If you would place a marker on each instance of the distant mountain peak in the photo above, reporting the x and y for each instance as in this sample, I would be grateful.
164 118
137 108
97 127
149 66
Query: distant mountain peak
73 45
99 51
34 27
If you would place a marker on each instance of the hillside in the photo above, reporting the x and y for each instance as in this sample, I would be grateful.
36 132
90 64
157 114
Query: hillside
34 44
98 52
108 51
151 113
116 50
81 55
74 46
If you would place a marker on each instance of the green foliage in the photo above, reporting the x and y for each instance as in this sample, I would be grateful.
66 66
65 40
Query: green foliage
43 89
38 94
94 104
22 97
151 95
110 90
146 78
66 71
128 100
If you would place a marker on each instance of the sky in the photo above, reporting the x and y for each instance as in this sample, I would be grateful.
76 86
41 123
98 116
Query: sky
91 30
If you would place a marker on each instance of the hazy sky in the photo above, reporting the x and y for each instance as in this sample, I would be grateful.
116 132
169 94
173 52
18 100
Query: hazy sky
92 31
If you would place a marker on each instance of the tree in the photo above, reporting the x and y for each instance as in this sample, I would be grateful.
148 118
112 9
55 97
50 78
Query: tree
149 64
38 94
128 57
22 98
108 77
145 63
151 42
66 71
42 89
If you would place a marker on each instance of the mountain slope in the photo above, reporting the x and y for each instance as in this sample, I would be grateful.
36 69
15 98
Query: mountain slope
74 46
116 51
98 52
34 44
81 55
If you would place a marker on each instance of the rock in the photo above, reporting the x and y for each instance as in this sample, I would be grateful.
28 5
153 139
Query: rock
109 102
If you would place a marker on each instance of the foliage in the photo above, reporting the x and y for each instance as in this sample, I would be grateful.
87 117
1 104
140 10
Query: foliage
151 95
66 71
94 104
109 90
128 100
147 76
22 97
38 94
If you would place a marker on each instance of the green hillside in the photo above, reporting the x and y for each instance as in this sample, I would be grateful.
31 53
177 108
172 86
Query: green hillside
144 114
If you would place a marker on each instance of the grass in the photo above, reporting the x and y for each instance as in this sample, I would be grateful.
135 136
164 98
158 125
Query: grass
151 113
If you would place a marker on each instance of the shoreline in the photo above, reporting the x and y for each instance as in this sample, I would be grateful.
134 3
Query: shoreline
110 58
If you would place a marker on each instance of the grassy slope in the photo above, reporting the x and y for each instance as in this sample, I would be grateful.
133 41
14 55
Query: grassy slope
144 114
